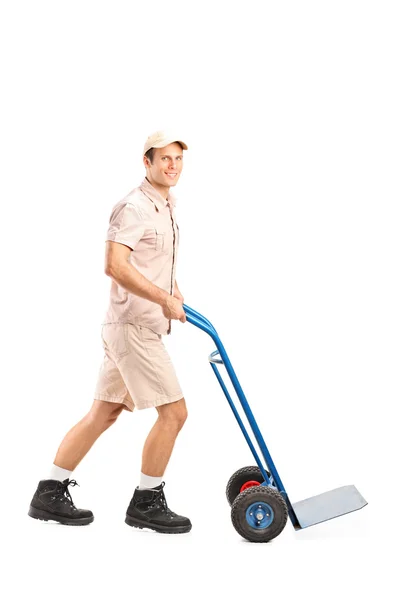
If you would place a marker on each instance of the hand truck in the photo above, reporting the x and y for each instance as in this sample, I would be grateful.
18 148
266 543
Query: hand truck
260 505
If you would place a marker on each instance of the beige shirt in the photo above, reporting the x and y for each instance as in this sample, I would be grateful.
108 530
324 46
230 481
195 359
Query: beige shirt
145 222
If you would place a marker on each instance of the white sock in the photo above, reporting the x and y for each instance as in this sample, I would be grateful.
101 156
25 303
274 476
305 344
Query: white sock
148 482
59 474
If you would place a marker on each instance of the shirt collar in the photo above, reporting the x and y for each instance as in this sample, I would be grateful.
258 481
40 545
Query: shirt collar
155 196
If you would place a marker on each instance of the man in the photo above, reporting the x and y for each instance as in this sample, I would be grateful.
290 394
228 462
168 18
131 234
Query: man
141 254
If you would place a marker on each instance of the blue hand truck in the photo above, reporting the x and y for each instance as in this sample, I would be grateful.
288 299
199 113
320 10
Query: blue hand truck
260 505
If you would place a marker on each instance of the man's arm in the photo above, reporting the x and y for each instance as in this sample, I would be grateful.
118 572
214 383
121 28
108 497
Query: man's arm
118 267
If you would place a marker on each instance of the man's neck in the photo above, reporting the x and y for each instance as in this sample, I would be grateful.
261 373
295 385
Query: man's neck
161 189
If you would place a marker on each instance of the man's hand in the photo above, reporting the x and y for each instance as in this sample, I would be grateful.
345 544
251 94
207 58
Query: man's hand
172 309
178 295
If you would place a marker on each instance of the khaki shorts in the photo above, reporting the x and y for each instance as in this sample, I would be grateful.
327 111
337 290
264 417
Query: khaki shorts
137 370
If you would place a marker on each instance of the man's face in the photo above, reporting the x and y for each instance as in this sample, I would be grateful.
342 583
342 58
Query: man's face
167 165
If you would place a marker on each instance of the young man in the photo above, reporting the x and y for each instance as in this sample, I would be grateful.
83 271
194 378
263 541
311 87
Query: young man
141 254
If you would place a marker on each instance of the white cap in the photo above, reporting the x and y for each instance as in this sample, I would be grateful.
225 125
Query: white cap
160 139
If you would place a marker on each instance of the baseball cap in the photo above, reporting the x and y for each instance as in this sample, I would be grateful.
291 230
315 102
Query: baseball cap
159 139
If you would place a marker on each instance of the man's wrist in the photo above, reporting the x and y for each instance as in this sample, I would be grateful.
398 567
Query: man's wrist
163 297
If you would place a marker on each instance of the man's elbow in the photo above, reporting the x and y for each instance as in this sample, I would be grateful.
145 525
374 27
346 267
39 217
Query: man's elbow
116 258
116 270
110 270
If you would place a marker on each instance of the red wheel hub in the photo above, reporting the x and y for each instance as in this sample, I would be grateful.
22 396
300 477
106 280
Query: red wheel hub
249 484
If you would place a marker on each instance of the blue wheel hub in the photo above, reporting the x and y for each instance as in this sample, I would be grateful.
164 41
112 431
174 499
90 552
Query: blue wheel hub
259 515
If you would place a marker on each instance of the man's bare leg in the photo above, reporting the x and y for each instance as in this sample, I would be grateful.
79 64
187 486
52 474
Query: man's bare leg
148 507
52 501
160 442
83 435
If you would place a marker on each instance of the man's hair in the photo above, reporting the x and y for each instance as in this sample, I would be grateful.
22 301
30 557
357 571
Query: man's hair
150 153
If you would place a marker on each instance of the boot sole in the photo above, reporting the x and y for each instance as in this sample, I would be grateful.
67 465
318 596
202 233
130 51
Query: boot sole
132 522
43 515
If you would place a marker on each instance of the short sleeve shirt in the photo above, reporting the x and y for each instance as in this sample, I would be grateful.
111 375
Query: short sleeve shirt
146 223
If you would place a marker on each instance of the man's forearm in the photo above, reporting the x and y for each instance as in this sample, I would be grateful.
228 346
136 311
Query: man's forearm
134 282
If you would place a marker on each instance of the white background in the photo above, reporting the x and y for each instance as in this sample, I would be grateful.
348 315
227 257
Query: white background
288 212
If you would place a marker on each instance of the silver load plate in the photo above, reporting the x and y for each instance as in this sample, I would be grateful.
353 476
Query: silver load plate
329 505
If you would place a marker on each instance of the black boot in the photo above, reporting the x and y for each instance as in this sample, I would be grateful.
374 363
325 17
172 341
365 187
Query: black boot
52 502
148 508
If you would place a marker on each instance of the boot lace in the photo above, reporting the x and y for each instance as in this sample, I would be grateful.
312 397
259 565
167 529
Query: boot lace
62 492
159 498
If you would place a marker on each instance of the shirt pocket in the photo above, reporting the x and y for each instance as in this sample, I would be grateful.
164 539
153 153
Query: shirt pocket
161 242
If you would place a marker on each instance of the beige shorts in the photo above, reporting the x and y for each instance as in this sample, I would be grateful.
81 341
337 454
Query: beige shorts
137 370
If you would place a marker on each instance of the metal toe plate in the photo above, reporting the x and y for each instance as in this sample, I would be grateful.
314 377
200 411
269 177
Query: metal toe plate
329 505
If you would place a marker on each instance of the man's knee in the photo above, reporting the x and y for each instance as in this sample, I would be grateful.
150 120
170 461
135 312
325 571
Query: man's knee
174 414
103 414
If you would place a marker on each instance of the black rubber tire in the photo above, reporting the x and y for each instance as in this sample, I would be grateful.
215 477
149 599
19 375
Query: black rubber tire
259 494
239 478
